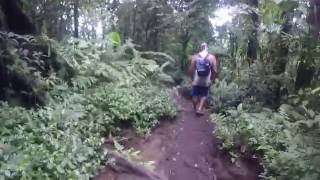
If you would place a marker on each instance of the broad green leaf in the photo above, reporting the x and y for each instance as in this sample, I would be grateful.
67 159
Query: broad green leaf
116 39
288 5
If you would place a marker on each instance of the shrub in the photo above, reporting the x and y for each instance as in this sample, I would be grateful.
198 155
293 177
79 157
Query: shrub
63 140
287 141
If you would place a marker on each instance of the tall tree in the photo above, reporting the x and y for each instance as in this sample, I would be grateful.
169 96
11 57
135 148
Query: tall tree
144 21
194 27
14 18
313 17
253 43
76 18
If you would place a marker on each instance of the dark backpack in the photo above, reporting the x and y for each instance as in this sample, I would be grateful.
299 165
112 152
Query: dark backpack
203 66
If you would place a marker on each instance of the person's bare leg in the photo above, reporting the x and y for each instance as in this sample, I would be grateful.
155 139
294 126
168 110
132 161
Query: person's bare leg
195 100
201 105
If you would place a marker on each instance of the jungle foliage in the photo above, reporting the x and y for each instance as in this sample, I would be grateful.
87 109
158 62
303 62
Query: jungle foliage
110 87
72 72
267 108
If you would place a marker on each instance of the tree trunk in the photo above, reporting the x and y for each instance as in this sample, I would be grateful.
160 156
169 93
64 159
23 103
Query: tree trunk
133 31
3 23
184 57
15 19
76 18
233 44
253 39
306 71
313 17
304 76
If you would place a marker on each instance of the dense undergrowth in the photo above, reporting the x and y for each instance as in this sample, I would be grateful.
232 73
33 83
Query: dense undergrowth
111 86
60 98
286 140
259 114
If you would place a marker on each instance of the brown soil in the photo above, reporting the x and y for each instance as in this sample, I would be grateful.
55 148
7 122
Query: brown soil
186 149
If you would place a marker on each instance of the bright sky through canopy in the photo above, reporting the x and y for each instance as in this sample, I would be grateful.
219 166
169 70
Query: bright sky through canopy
223 15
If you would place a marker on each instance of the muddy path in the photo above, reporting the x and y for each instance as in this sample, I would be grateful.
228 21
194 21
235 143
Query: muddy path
186 149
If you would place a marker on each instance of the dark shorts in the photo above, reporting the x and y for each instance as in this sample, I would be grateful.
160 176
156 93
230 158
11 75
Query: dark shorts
199 91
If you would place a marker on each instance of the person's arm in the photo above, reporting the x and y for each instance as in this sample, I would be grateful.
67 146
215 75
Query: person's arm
213 68
192 67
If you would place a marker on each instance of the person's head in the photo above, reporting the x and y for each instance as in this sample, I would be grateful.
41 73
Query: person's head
203 46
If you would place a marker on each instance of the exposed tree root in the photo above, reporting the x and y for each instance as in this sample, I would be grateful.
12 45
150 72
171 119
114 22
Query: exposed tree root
123 165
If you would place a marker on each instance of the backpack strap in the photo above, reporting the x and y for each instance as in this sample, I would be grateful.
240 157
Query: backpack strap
203 58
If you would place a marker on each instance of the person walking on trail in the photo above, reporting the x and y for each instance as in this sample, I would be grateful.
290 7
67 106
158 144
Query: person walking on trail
203 70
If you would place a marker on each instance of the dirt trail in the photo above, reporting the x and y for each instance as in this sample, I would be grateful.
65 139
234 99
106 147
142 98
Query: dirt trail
187 150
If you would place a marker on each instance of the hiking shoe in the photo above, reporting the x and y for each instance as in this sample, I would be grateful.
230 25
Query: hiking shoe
199 113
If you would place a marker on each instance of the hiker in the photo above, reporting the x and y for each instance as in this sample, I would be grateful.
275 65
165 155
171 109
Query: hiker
203 70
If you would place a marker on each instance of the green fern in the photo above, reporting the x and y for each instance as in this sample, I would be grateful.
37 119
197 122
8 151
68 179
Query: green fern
102 61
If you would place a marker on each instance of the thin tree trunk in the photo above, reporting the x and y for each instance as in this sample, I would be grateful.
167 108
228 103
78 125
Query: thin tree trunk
133 33
233 44
316 18
253 39
3 23
76 18
184 58
313 18
103 23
